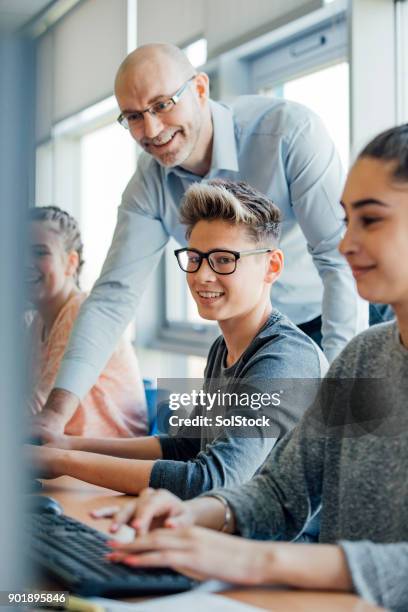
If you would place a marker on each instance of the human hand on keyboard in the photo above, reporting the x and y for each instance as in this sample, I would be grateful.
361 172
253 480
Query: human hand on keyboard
199 553
152 509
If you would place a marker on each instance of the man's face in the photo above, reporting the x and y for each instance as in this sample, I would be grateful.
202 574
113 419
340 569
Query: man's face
225 297
170 137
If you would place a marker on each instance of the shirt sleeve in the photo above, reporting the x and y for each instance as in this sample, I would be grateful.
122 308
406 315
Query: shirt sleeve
278 503
227 461
138 243
379 572
238 451
179 449
316 179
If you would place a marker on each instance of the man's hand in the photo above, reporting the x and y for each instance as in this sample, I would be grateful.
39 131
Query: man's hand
152 509
57 411
200 553
44 462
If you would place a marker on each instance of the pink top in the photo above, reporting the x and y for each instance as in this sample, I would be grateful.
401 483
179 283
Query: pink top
116 404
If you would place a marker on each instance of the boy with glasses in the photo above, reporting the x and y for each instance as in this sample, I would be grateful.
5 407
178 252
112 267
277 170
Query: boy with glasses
231 262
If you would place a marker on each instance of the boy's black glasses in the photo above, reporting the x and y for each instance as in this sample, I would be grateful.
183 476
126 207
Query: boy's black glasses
221 261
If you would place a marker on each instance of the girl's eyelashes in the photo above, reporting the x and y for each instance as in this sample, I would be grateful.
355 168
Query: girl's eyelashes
365 220
369 220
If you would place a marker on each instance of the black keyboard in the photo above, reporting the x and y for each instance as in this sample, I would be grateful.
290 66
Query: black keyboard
73 554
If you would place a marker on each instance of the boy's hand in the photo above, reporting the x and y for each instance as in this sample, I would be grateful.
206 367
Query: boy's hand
152 509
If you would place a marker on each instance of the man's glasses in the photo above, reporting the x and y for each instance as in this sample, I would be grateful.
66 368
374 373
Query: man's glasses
221 261
161 107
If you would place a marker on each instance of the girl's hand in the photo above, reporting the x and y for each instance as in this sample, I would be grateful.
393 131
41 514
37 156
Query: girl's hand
199 553
51 438
43 462
152 509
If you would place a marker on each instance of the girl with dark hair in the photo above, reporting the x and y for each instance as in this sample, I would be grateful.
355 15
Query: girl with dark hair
348 456
115 406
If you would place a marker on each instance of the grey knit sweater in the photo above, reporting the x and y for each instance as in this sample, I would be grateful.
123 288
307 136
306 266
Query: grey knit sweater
349 455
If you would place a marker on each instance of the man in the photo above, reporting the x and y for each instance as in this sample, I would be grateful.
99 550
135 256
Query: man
279 147
233 234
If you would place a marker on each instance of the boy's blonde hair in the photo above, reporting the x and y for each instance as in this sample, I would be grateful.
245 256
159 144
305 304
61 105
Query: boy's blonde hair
235 202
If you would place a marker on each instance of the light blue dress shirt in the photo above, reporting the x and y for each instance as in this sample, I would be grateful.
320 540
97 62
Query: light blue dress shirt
282 149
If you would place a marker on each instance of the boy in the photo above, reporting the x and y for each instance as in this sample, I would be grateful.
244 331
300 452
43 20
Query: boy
231 262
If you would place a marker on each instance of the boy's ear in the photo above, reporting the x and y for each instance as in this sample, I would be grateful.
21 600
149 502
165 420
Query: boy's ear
72 263
275 266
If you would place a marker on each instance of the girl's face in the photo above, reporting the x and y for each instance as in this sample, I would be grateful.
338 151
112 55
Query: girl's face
51 270
376 240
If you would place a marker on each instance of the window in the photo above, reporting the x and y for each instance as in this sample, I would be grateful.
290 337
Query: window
312 68
107 161
197 52
44 175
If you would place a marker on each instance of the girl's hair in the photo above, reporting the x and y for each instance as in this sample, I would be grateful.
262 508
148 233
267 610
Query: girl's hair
235 202
391 145
66 226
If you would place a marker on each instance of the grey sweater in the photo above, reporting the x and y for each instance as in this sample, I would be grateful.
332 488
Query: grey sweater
349 454
199 459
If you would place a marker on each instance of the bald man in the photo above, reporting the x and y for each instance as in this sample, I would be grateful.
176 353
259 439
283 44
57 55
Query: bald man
279 147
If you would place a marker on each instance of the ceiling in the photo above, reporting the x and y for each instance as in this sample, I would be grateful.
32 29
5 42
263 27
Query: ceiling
14 14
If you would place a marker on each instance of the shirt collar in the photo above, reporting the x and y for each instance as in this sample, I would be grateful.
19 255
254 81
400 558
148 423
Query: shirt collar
224 151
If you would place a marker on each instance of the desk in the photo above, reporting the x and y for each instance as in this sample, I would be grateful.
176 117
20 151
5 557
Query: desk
78 499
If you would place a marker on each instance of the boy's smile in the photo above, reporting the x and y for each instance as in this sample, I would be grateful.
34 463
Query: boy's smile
222 297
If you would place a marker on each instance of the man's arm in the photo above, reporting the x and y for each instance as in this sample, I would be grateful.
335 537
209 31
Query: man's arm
57 411
316 179
136 248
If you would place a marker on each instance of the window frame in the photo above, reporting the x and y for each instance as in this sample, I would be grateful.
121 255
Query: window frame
323 45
